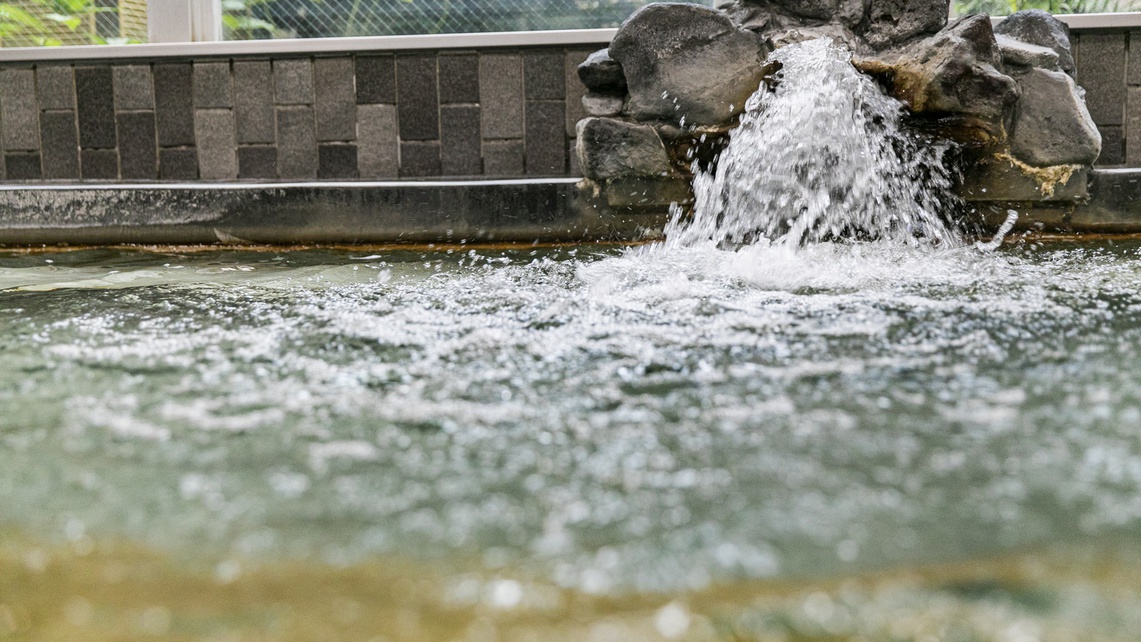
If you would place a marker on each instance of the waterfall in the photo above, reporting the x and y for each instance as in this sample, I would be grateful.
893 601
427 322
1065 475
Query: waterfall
821 156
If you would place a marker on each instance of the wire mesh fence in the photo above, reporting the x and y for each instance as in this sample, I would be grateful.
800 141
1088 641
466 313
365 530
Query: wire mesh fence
255 19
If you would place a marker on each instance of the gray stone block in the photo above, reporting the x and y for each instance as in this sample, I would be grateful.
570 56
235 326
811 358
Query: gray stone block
257 162
99 164
460 140
337 161
178 164
377 155
217 148
574 88
419 159
297 142
501 95
134 87
1112 145
174 104
459 78
1133 73
95 100
376 80
138 149
56 86
503 158
18 110
1101 71
336 99
416 83
545 138
1133 126
212 85
253 102
293 82
543 75
23 166
59 137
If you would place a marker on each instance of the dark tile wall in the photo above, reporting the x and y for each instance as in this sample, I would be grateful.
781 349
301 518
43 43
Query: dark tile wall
374 115
1109 69
501 113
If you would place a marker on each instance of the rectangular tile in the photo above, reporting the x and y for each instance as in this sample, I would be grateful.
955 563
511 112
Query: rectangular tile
375 80
297 142
1112 145
546 139
460 140
212 85
416 83
293 81
55 85
1133 125
501 95
138 150
419 158
1133 73
22 166
574 88
258 161
503 158
99 164
459 78
217 149
337 160
18 111
95 101
178 164
59 136
1101 71
134 87
377 155
544 75
174 104
253 103
336 99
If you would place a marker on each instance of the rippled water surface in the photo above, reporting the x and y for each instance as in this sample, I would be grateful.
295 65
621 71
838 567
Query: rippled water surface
605 420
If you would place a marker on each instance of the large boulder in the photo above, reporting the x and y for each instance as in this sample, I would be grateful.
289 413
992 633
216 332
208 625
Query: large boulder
602 74
611 148
1038 27
1017 54
1052 125
893 22
952 74
687 63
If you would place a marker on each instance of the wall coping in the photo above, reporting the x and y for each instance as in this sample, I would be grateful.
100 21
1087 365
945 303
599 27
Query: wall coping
286 46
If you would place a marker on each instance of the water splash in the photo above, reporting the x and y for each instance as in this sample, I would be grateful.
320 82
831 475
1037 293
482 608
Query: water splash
821 156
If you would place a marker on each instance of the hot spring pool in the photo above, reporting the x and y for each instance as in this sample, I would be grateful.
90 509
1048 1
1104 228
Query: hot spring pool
847 441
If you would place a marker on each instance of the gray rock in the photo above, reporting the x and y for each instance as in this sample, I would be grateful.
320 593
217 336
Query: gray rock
894 22
1016 53
688 62
952 74
1052 125
602 104
1038 27
610 148
838 33
602 74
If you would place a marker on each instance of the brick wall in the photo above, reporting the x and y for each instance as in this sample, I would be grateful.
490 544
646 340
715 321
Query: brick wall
432 114
493 113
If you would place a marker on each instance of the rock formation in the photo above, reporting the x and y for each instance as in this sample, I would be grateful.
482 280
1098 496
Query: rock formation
663 97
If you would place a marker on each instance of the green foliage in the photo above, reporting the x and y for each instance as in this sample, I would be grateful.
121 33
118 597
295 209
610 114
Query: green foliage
46 22
1007 7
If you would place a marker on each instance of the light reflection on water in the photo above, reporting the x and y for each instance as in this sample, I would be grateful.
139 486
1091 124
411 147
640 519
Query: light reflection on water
604 420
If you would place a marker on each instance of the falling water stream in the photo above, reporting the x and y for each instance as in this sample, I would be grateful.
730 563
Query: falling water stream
754 431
